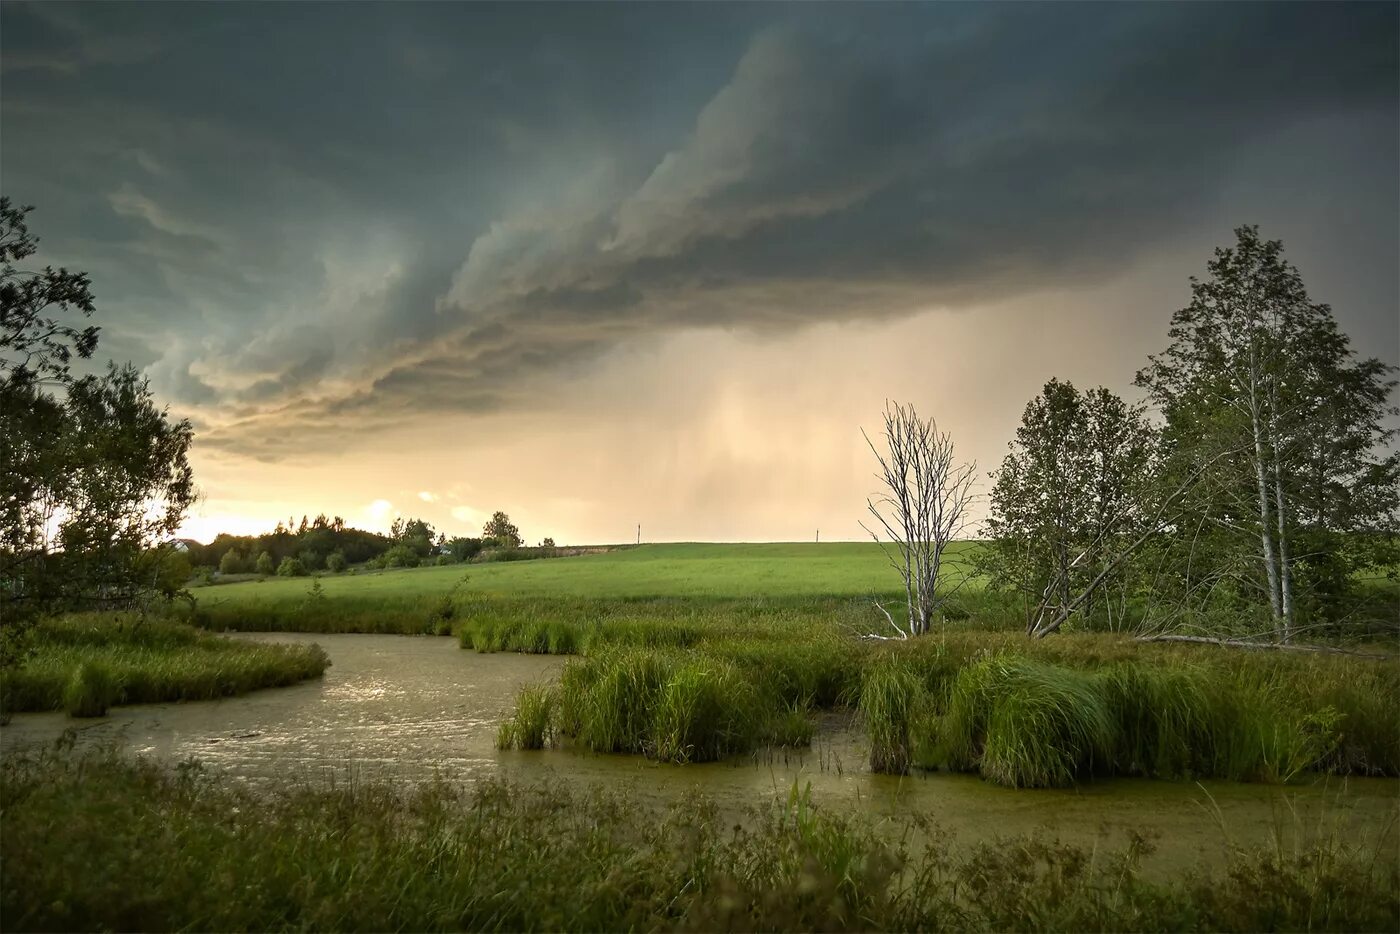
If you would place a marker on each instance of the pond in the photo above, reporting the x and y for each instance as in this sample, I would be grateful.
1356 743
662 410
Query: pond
409 709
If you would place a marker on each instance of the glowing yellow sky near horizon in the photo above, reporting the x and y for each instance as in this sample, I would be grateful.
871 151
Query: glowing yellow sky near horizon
706 434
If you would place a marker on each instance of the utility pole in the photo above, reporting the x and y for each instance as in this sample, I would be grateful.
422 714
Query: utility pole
639 533
819 536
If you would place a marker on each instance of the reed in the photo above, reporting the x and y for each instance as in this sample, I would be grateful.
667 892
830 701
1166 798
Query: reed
532 725
892 697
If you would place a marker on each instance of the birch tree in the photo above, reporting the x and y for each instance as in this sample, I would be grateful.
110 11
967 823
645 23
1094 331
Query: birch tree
1259 380
921 510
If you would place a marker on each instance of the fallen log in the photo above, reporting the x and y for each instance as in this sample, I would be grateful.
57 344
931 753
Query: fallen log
1252 644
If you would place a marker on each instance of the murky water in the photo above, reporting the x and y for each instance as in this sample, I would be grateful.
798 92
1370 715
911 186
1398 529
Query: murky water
413 708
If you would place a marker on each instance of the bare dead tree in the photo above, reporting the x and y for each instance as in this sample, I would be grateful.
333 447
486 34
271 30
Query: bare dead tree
921 511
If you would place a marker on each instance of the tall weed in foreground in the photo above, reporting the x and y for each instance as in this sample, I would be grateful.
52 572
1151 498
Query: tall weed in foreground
117 844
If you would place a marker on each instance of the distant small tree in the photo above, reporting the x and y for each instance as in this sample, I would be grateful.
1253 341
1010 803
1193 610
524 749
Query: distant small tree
401 555
264 565
464 549
547 543
922 510
335 562
290 567
232 562
502 531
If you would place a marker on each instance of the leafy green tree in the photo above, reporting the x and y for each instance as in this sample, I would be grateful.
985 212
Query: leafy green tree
464 549
264 565
502 531
401 555
335 562
1070 492
290 567
1304 488
232 562
93 475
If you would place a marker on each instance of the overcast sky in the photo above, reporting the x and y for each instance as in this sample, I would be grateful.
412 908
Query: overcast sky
607 265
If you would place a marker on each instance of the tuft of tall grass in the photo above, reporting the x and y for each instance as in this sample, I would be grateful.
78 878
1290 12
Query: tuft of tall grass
616 709
676 705
90 691
704 711
892 699
790 726
532 725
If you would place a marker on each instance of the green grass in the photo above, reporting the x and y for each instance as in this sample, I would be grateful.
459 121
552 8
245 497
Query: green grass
774 631
406 600
89 662
100 843
532 724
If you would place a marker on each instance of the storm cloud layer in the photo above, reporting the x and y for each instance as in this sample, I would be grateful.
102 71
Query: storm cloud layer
309 219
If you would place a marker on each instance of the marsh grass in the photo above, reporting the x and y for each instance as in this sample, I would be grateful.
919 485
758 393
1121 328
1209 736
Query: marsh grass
115 844
1027 723
892 698
91 690
782 623
93 661
674 705
532 724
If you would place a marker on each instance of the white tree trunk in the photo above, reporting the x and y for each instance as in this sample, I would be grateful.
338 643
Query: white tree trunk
1265 535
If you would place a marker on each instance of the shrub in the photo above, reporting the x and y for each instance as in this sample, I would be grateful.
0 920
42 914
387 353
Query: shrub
264 564
335 562
233 562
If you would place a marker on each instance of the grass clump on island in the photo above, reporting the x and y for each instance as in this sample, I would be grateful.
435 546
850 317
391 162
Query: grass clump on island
1021 714
89 662
1024 721
99 842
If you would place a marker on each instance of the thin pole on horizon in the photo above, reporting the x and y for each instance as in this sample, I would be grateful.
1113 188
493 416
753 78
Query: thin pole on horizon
639 533
819 536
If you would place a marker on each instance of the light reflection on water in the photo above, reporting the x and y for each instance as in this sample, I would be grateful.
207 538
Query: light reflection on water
409 709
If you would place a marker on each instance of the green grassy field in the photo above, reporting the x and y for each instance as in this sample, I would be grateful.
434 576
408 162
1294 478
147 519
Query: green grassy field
411 600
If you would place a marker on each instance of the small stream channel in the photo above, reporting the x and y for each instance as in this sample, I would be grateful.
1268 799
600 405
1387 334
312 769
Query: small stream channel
407 709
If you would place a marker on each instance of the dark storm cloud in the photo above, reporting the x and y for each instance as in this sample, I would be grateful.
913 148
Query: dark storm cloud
338 215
